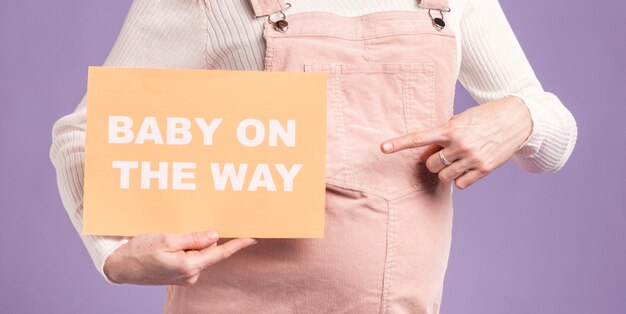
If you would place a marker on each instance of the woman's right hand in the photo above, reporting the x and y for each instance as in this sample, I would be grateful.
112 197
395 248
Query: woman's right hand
168 259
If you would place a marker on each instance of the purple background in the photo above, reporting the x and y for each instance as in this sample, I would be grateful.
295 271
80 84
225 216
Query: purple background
522 243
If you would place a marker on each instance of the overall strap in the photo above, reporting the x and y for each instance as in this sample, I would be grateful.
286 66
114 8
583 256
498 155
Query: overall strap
267 7
441 5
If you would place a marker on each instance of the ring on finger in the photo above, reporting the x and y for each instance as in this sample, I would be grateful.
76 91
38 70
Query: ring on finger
443 158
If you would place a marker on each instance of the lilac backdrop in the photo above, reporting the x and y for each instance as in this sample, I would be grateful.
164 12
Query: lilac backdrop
522 243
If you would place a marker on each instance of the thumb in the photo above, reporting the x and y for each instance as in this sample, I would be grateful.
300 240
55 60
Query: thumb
217 253
193 240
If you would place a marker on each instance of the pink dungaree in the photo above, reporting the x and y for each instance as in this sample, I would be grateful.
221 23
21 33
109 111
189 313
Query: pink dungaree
388 219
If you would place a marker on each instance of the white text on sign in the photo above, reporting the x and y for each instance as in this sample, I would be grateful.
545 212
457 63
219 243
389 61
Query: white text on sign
180 175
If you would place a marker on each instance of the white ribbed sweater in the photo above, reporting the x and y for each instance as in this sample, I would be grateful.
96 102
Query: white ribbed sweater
224 34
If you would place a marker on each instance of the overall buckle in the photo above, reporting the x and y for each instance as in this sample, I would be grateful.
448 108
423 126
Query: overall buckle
281 24
438 22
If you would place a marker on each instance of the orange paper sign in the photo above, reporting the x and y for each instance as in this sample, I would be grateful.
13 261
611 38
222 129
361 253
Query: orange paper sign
239 152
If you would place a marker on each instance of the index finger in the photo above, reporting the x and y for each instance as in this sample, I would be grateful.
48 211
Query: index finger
415 139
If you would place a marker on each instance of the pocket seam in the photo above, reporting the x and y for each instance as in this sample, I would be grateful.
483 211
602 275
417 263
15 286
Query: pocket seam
429 70
334 79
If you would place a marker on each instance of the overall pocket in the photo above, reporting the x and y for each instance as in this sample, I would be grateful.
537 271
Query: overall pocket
367 104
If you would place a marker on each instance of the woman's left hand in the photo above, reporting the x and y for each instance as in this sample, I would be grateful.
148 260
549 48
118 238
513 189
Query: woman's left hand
475 142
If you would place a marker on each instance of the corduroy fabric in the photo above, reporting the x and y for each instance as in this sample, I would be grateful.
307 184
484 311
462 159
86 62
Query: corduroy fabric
388 219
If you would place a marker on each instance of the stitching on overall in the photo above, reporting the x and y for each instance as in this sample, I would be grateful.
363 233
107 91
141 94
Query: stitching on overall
407 98
456 74
337 71
407 192
269 52
368 55
342 180
410 116
389 258
432 86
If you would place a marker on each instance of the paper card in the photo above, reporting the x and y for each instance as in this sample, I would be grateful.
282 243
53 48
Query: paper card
239 152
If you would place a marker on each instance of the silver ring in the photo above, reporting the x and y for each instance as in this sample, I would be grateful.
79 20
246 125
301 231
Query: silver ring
443 158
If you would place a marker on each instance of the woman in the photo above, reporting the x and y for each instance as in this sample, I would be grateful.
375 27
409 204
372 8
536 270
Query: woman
395 149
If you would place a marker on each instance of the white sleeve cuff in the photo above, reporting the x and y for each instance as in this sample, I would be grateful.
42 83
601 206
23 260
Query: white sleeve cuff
553 136
104 253
532 144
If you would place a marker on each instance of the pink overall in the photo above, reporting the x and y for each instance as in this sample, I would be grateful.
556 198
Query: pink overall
388 219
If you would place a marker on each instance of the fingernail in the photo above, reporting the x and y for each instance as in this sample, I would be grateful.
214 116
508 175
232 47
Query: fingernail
387 147
254 242
213 235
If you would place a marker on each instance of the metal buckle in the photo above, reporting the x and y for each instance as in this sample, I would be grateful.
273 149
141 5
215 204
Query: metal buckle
438 22
280 25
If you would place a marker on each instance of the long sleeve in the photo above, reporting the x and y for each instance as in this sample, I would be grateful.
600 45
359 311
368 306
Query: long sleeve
156 33
494 66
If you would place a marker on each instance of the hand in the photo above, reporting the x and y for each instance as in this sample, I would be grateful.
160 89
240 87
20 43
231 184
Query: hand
476 141
168 259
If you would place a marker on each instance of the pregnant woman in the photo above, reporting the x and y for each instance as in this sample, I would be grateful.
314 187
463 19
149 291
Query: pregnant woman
395 148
